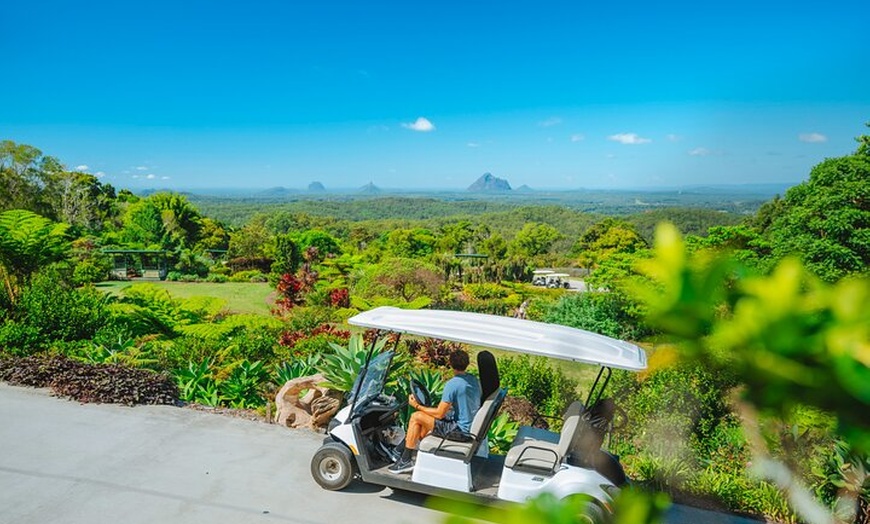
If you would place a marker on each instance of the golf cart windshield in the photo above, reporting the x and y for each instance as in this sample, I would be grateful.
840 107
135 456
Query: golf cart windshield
373 379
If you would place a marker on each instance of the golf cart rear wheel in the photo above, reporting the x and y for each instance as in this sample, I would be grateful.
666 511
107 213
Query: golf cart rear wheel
593 513
333 466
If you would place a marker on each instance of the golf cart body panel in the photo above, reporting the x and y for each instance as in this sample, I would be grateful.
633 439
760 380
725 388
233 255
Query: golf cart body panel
507 333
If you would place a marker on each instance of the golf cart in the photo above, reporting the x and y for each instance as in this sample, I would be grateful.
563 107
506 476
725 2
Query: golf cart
539 276
557 281
365 438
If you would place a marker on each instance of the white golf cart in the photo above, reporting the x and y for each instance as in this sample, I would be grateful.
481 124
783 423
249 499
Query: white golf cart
539 276
557 281
364 438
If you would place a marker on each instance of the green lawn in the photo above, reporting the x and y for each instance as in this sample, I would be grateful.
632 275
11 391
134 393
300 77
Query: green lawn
241 297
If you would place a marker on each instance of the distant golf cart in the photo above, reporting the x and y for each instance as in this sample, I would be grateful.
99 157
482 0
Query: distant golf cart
365 438
539 276
557 281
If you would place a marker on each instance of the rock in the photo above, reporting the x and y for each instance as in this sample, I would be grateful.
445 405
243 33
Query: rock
311 411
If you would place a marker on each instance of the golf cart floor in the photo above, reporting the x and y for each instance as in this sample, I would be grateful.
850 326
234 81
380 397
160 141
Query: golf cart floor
485 474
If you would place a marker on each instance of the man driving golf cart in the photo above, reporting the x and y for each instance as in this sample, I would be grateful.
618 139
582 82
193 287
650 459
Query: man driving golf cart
459 403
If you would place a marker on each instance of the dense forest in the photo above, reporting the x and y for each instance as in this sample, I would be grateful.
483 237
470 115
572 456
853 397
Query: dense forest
755 317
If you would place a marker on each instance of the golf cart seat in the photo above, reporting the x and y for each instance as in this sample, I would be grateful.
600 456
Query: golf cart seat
538 450
466 448
465 445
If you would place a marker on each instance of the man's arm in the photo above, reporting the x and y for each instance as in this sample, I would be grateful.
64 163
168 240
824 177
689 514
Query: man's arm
438 412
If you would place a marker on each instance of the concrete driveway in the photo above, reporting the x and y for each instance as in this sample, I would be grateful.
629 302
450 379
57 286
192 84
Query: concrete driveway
64 462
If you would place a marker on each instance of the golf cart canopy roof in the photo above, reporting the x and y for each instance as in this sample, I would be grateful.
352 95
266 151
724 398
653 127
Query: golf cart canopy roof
542 271
558 275
507 333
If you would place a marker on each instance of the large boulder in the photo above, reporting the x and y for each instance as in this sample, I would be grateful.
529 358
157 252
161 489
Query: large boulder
313 410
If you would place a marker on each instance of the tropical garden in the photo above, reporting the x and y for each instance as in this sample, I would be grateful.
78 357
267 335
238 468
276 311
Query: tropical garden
756 400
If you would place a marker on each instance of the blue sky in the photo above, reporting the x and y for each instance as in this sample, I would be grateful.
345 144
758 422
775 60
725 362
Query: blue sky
556 95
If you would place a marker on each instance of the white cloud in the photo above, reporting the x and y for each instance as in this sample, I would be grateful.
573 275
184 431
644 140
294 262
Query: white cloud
473 144
673 138
422 125
629 139
141 168
578 137
812 138
550 122
164 178
700 151
99 174
83 167
150 176
135 176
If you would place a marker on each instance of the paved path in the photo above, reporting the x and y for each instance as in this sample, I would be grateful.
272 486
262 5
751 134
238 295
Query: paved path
64 462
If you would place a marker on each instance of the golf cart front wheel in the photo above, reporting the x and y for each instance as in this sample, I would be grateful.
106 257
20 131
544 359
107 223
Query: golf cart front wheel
333 466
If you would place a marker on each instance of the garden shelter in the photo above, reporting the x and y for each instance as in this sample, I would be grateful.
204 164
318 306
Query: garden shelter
149 264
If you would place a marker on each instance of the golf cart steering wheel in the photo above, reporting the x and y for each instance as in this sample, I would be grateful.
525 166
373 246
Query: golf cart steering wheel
421 394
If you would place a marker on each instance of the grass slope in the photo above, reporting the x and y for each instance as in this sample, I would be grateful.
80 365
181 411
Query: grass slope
241 297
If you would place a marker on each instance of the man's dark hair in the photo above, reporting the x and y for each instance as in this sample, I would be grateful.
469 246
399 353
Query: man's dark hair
459 359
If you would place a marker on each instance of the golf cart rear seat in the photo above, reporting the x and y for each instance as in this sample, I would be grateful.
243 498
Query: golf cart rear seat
539 450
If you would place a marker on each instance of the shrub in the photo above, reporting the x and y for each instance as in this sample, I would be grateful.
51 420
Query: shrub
18 338
57 311
89 272
216 278
532 378
173 276
485 291
432 351
682 402
248 276
603 313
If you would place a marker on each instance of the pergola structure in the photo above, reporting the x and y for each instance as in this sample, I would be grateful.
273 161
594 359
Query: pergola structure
129 262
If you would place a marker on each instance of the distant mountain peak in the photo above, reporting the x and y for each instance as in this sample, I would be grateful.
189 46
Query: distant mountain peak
524 189
316 187
370 188
488 182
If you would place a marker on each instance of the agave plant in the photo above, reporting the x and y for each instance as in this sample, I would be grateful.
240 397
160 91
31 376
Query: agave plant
242 389
341 367
502 433
299 367
196 383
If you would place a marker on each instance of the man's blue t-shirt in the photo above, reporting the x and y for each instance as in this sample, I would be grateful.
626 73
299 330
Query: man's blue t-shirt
463 393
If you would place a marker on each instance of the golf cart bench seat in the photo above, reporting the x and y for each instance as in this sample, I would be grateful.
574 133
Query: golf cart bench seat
479 428
538 449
